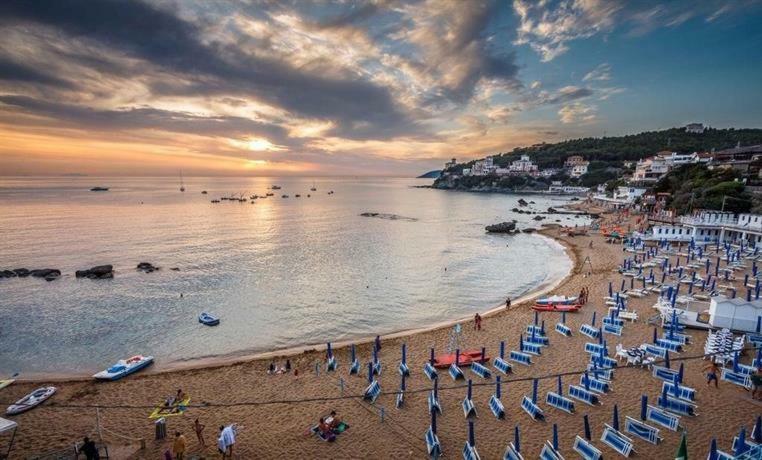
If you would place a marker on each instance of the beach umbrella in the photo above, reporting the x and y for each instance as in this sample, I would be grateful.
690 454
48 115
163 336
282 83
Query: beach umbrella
682 450
663 277
404 353
329 351
588 436
536 318
666 359
712 450
436 388
622 288
748 295
610 290
535 382
516 439
431 356
643 406
563 319
735 362
457 357
434 422
690 288
502 349
717 266
745 279
756 433
733 290
632 282
654 336
560 387
587 381
521 342
759 324
378 343
676 384
593 322
497 387
756 289
484 354
555 437
471 436
615 421
644 282
402 383
759 356
542 328
707 266
714 281
375 355
370 372
353 352
469 390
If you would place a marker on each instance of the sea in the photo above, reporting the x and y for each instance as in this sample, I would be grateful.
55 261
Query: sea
278 272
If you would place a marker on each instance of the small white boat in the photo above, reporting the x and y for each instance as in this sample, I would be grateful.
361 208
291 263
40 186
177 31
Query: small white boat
31 400
124 367
208 319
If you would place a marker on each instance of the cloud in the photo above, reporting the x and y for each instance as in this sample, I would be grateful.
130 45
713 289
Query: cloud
577 113
21 73
600 73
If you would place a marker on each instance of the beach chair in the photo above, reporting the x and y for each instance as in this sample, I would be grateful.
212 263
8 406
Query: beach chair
433 446
530 404
430 371
558 400
599 386
736 378
469 410
628 315
520 357
535 329
586 450
663 418
403 369
400 401
500 363
655 350
563 329
679 391
612 329
513 450
455 372
613 321
495 405
664 373
549 453
590 331
594 348
676 406
617 441
531 348
641 430
372 391
604 362
480 370
583 395
669 345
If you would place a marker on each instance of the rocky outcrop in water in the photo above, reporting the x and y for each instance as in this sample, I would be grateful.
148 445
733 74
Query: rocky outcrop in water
99 272
381 215
48 274
522 202
146 267
503 227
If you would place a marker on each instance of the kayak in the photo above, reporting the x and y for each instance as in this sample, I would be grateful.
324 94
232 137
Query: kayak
209 320
465 359
31 400
557 300
5 383
124 367
556 307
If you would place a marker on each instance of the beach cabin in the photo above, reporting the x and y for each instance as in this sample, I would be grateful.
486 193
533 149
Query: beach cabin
736 314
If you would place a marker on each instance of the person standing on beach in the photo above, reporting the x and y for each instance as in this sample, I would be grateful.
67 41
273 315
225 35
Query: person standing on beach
178 448
199 429
89 449
756 383
508 303
378 343
477 322
712 371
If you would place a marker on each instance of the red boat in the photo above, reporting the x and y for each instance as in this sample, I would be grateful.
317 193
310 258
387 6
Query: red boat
556 307
465 359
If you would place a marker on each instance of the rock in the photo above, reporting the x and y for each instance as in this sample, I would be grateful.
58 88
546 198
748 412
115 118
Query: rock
21 272
516 210
503 227
552 210
98 272
523 202
175 269
8 274
46 273
538 217
531 202
146 267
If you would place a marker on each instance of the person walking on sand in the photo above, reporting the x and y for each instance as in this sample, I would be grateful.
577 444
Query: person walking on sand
178 447
756 383
508 303
477 322
199 429
711 374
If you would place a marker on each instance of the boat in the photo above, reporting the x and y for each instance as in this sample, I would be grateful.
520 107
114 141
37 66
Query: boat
182 185
31 400
124 367
269 194
313 189
298 196
556 300
209 320
99 189
556 307
215 201
203 192
284 196
465 359
275 187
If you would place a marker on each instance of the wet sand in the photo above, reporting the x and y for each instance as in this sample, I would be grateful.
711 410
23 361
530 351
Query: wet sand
275 426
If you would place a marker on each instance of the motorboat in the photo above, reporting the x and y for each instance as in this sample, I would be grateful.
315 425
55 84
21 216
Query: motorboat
99 189
557 307
124 367
556 300
298 196
209 320
284 196
275 187
203 192
31 400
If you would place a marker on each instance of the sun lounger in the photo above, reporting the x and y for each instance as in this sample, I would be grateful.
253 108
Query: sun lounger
617 441
613 321
669 345
496 406
400 399
430 372
532 348
480 370
604 361
581 394
548 452
612 329
590 331
468 404
433 447
655 350
586 450
676 406
679 391
502 365
469 449
560 402
536 329
736 378
455 372
641 430
377 368
594 348
563 329
433 401
628 315
663 373
520 357
748 444
599 386
663 418
532 409
511 453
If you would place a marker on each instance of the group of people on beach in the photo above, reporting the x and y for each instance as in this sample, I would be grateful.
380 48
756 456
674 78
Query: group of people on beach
225 441
328 427
583 295
286 368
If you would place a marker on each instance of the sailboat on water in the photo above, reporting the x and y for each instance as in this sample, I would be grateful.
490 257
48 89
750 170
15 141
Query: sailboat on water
182 184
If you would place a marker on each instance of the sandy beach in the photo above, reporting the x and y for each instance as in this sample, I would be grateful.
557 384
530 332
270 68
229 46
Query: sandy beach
275 411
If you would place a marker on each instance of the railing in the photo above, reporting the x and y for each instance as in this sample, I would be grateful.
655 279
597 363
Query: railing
730 223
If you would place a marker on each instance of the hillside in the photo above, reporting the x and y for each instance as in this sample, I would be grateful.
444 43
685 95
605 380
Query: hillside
607 154
431 174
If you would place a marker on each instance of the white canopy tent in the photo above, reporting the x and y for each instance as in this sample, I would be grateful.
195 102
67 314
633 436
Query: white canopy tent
5 427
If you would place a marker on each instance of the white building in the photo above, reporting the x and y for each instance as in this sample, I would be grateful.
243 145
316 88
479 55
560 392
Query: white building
523 165
737 314
579 169
550 172
650 169
710 226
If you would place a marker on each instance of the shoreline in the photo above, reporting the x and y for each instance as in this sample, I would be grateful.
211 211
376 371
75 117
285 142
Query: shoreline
243 356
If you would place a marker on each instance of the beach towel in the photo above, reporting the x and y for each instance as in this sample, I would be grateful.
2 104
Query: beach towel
177 408
330 437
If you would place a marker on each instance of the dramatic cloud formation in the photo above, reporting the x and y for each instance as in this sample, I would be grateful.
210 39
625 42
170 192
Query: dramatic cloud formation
261 87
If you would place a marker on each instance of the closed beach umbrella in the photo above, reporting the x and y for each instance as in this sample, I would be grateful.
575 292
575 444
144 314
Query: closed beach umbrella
756 433
682 450
555 436
666 359
516 439
643 406
741 445
615 421
588 436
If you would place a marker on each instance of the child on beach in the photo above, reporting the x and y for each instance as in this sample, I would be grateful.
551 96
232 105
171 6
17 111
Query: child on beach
178 447
199 429
712 371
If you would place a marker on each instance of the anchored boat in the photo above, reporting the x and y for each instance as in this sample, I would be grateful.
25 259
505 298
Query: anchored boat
31 400
124 367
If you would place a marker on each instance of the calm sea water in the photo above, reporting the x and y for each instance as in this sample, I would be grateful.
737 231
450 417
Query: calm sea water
279 273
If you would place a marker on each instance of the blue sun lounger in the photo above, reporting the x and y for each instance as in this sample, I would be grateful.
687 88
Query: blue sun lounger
495 405
613 321
469 449
590 331
500 363
433 447
520 357
669 345
679 391
372 391
480 370
560 402
455 372
663 418
599 386
655 350
468 404
663 373
594 348
433 400
511 453
586 450
675 405
531 348
617 441
549 453
736 378
563 329
641 430
430 372
581 394
605 362
403 369
354 368
749 444
530 404
612 329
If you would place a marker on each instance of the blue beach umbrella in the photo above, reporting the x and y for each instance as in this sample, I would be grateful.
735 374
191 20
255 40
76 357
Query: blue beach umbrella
588 436
756 433
555 437
471 435
516 439
643 407
615 421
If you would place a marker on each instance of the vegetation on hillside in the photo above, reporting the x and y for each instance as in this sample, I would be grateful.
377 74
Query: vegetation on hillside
697 187
607 155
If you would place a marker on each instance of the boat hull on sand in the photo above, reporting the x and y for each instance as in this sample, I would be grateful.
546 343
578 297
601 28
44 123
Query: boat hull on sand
557 307
465 359
31 400
124 367
556 300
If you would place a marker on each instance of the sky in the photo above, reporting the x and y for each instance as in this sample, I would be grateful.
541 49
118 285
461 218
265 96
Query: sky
278 87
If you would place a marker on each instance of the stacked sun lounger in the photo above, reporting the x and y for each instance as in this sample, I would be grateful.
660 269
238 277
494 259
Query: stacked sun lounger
723 345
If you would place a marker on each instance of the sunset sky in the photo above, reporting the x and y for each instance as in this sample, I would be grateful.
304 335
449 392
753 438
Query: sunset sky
335 88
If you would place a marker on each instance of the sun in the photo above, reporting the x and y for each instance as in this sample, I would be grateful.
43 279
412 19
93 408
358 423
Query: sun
260 145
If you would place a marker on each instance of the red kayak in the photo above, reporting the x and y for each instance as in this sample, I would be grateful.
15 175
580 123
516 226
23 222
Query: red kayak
557 307
465 359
